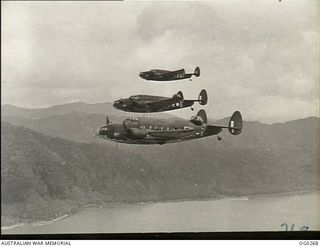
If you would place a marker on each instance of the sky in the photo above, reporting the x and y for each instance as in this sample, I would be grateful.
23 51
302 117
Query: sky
257 56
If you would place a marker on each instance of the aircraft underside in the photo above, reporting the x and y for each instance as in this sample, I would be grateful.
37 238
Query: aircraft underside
149 141
161 138
161 78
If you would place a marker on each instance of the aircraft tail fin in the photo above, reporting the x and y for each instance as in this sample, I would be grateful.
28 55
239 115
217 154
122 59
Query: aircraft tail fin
197 72
203 115
235 123
203 97
200 118
178 96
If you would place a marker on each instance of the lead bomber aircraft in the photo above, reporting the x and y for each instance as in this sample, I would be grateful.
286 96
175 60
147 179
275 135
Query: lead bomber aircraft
168 75
152 103
162 131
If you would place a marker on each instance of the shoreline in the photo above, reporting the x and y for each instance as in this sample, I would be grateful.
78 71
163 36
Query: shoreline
240 198
41 223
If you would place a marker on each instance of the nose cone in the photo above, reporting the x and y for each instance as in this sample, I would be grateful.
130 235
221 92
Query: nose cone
107 131
103 131
144 75
120 104
97 132
116 104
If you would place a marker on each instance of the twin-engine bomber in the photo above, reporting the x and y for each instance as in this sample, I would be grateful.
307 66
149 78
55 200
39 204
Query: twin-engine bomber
168 75
162 131
151 103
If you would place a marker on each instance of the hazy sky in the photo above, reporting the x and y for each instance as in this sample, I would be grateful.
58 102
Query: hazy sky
259 57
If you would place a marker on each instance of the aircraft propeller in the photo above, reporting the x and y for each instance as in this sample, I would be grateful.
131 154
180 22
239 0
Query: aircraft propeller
107 120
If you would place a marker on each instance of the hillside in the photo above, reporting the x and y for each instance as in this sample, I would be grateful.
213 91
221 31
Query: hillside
44 177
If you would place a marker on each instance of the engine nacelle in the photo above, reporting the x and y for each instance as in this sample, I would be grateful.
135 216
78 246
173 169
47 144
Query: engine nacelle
137 134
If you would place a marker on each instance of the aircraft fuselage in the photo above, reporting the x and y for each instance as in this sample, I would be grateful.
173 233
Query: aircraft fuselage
164 75
168 104
154 131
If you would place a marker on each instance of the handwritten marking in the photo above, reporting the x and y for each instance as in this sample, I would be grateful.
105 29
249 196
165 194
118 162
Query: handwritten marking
291 227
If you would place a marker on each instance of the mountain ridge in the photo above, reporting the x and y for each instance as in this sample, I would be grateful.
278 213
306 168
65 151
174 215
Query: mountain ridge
103 108
44 177
53 164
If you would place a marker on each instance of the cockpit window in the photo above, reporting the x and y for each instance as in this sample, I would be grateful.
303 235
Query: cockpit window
132 119
135 98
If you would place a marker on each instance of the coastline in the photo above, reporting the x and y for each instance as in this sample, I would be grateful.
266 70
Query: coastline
112 204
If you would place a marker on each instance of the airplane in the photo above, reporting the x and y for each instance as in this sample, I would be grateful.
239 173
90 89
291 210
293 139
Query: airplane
151 103
163 131
167 75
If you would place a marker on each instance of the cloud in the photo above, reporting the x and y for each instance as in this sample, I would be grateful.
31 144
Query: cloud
254 56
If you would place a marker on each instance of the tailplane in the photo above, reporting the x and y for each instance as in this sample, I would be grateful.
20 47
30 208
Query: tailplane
234 126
